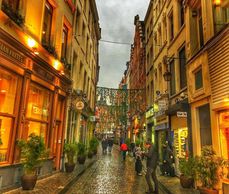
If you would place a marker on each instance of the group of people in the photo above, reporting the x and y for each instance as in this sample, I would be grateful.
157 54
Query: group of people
151 163
107 143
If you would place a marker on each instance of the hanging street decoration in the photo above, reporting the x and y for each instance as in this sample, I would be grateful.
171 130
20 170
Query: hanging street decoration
115 107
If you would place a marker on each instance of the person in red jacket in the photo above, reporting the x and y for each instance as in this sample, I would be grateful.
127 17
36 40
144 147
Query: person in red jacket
124 149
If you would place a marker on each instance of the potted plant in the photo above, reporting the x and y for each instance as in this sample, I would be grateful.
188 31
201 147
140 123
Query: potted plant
187 169
93 145
70 150
33 151
208 170
90 153
81 155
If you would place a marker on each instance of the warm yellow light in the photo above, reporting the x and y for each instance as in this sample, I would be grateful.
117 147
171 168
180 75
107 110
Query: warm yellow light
226 99
31 42
217 2
56 64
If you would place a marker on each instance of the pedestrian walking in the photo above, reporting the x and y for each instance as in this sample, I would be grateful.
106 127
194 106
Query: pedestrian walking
124 149
151 165
138 159
104 145
110 144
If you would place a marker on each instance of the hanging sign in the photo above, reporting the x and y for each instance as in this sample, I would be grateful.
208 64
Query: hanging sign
79 105
182 114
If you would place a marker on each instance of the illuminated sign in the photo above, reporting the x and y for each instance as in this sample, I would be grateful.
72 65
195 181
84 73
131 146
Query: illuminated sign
79 105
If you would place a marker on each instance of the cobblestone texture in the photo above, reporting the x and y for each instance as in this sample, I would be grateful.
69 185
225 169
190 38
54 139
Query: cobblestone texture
110 175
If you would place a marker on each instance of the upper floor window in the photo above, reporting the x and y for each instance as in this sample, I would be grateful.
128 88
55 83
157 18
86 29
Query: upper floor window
47 24
182 61
64 42
221 14
13 4
200 25
171 27
173 78
198 79
181 13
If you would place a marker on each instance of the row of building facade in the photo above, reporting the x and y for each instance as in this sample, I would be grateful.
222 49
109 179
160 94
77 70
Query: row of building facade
48 76
183 45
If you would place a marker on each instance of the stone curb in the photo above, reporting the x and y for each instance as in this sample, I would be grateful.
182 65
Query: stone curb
71 182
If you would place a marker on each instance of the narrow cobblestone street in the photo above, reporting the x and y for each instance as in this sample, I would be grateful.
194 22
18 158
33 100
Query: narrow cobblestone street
110 175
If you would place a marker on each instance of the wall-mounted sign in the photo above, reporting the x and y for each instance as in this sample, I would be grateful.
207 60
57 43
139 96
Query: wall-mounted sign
79 105
182 114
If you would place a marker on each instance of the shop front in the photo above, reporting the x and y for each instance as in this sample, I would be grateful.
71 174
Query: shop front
32 100
179 134
150 132
162 132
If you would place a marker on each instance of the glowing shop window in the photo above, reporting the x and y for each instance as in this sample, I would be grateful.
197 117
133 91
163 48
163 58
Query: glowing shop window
38 103
8 87
37 128
180 141
224 133
5 129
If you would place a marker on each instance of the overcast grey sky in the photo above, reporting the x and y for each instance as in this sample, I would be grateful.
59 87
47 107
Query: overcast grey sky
117 23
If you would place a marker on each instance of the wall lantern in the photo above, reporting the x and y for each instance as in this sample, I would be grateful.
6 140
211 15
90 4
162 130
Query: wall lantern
56 64
31 42
167 76
33 45
217 2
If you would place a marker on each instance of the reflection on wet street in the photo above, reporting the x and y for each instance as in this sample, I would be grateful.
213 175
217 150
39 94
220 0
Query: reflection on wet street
110 175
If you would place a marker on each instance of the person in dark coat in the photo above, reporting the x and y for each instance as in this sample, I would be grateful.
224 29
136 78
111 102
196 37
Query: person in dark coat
151 164
104 145
110 144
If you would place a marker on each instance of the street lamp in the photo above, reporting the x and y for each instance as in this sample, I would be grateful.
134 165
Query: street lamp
167 75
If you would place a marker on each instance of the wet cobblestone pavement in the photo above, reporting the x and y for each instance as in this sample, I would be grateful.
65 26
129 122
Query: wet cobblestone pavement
110 175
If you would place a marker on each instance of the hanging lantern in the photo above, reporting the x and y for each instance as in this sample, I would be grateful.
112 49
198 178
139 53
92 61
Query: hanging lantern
167 76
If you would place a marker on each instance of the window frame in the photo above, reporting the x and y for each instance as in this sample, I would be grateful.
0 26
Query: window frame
183 84
45 40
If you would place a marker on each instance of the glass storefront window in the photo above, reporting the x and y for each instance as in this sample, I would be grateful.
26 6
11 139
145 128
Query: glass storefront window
8 88
5 130
37 128
39 103
224 134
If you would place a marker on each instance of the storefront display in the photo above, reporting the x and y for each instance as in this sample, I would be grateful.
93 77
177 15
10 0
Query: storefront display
38 110
180 142
224 133
8 89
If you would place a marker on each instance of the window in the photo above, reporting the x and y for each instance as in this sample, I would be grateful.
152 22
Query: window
171 27
47 24
182 61
64 42
198 79
181 13
164 31
38 109
221 15
205 125
77 23
14 4
200 25
173 78
8 92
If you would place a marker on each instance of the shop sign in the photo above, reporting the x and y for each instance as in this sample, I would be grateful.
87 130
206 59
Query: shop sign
6 50
39 111
182 114
79 105
150 113
162 104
